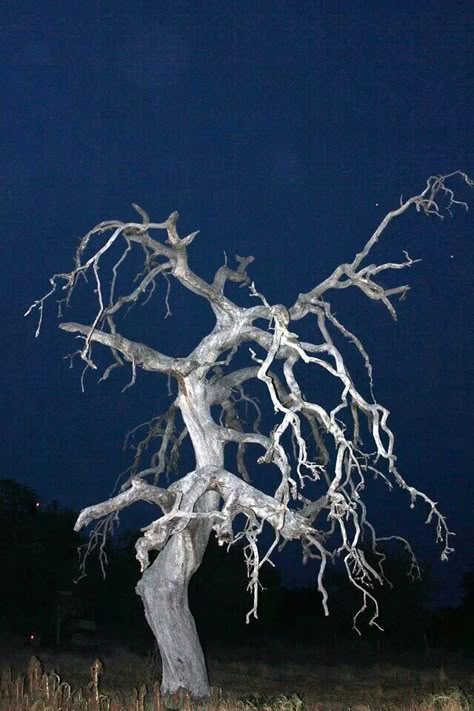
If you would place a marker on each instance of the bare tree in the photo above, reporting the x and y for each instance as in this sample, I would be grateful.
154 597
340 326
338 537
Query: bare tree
322 464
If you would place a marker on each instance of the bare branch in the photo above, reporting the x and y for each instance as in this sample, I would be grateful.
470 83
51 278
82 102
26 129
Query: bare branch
238 275
349 274
142 355
139 491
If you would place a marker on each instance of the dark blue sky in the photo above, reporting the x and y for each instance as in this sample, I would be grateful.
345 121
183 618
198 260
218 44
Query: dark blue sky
284 130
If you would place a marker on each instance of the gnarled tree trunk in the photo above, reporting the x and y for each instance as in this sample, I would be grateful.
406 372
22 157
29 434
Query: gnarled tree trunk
164 591
164 585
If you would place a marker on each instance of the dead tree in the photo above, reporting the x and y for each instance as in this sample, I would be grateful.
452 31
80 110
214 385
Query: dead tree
322 464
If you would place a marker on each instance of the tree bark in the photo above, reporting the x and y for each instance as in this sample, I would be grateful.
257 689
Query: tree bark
164 592
164 585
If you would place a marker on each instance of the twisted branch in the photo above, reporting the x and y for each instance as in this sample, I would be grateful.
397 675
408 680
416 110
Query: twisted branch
327 456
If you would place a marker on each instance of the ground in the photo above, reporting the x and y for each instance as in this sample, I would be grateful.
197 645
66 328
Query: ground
273 677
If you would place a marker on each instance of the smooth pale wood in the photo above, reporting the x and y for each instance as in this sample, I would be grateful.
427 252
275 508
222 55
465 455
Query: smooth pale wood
209 497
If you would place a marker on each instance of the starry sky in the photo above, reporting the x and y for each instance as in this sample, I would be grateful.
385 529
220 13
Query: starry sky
284 130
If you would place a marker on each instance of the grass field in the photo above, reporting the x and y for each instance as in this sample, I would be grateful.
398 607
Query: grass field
241 680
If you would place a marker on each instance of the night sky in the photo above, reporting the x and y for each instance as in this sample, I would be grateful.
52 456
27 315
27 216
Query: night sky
284 130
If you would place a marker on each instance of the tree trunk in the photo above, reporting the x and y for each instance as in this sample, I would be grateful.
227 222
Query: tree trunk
164 592
164 585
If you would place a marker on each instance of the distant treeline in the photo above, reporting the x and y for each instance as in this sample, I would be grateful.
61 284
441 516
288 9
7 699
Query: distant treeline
39 598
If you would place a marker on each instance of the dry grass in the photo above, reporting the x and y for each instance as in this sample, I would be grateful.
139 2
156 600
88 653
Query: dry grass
128 682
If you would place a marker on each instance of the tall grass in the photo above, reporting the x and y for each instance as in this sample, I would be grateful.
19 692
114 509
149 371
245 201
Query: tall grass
389 689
